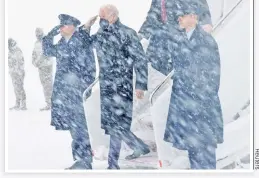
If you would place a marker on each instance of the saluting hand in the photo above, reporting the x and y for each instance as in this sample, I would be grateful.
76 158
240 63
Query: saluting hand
55 31
90 22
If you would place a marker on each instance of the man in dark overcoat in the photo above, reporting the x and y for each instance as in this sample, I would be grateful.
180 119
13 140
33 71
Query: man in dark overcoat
159 25
75 71
194 120
120 53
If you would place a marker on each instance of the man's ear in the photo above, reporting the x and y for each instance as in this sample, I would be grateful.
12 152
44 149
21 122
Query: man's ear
114 18
179 19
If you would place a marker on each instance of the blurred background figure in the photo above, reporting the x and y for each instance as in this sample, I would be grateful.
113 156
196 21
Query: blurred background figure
17 73
45 68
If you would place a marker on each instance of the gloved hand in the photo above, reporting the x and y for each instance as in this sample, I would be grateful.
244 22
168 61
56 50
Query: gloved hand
55 31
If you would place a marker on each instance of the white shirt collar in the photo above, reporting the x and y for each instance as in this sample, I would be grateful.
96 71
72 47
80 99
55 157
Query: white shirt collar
189 34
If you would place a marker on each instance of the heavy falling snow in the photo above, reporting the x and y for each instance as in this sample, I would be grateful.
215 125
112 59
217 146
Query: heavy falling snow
33 144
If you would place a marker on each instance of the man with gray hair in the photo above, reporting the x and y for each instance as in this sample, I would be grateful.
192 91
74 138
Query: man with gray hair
44 65
120 54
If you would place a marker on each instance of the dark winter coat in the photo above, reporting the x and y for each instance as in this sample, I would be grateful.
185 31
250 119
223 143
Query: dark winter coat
195 116
159 32
119 53
75 71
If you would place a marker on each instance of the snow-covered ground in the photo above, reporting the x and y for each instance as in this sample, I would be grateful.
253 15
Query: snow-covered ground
34 145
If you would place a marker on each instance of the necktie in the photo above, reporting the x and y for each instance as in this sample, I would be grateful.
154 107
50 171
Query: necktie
163 11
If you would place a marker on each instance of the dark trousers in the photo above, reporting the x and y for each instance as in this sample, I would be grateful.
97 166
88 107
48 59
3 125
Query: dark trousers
129 138
203 158
81 147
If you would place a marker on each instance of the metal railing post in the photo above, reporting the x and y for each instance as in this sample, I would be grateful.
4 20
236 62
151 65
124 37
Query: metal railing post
222 13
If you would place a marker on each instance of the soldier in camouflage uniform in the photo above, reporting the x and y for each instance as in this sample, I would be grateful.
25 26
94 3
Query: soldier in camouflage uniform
17 73
44 65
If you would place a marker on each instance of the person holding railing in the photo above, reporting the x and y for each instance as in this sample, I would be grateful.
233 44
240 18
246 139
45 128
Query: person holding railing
194 120
159 23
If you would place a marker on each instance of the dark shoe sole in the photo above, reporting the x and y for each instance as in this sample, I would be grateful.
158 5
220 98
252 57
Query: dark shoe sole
144 152
115 168
80 166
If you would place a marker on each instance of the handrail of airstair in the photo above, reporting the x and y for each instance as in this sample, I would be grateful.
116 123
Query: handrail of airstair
88 91
169 76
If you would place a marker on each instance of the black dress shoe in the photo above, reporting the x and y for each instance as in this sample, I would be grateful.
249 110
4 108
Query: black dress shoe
114 166
137 153
80 165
